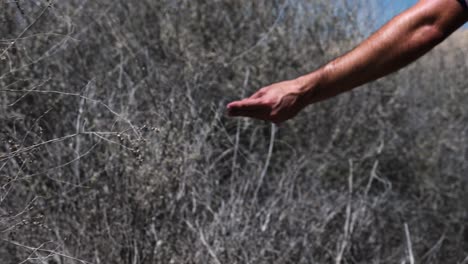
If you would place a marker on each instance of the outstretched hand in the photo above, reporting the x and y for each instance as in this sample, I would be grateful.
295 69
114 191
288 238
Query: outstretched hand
275 103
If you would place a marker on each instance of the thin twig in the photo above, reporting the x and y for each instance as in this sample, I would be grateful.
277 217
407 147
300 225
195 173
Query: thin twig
204 242
81 97
409 244
23 32
22 150
267 162
236 144
46 251
348 225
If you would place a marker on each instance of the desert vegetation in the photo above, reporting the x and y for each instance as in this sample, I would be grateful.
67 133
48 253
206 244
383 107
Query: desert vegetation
115 146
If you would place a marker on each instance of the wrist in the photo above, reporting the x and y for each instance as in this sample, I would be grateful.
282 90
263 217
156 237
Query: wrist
309 85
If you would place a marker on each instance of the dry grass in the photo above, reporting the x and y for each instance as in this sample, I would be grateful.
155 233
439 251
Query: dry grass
115 147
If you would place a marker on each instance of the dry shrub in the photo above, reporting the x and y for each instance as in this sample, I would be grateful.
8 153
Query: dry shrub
116 148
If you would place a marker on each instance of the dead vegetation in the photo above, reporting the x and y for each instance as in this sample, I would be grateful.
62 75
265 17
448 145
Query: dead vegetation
115 147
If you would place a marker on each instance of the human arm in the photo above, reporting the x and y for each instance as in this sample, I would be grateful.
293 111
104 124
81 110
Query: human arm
401 41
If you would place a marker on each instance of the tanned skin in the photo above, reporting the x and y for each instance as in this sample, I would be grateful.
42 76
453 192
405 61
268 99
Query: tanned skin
401 41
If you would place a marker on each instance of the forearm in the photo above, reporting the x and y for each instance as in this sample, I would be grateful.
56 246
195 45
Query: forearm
401 41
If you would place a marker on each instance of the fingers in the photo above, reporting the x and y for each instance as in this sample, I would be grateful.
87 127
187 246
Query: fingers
248 103
250 107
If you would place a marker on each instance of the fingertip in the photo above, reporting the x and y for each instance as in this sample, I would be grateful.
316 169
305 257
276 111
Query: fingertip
232 104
